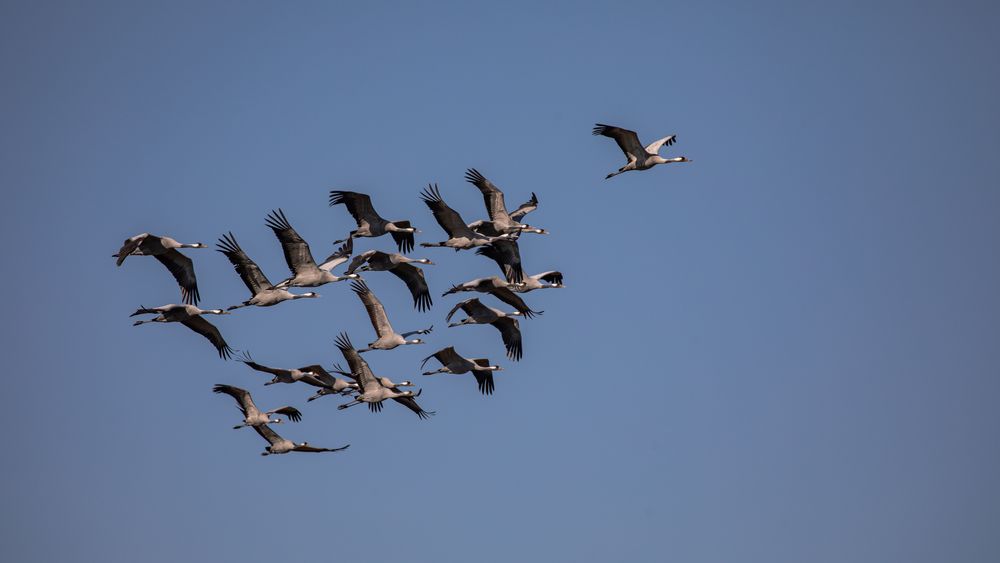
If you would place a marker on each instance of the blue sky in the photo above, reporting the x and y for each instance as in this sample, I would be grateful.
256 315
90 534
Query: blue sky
784 351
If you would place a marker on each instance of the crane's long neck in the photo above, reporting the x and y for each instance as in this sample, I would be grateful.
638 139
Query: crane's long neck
408 260
660 160
391 227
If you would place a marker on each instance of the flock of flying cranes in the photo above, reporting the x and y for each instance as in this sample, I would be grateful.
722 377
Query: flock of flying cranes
495 238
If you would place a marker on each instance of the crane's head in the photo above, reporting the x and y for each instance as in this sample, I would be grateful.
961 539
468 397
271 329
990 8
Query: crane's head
415 341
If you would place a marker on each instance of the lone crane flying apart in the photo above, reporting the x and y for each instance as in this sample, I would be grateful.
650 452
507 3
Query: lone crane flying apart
639 157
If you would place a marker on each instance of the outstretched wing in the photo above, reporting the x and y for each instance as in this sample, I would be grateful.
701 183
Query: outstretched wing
654 147
246 359
448 218
525 208
454 309
492 195
313 449
292 413
129 246
182 269
484 379
209 331
359 260
444 355
507 255
472 307
242 396
404 240
322 378
510 332
295 248
411 403
248 270
338 257
358 205
509 297
376 312
485 228
553 277
265 432
413 277
359 367
628 141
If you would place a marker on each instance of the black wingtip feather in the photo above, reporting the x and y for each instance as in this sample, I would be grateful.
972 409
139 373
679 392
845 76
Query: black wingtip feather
514 355
344 342
359 286
404 241
473 176
227 244
190 296
485 382
431 195
277 220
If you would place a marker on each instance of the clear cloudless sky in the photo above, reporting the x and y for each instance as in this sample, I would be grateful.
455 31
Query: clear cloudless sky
785 351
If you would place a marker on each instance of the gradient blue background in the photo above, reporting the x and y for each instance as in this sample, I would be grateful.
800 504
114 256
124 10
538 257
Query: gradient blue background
785 351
